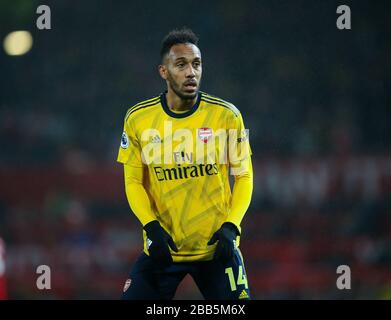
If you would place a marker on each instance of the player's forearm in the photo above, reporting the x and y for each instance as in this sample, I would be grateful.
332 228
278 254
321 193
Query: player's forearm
241 196
137 196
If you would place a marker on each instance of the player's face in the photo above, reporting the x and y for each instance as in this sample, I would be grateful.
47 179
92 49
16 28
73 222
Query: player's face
183 70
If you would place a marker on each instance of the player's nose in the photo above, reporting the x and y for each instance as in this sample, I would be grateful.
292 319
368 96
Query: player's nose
190 72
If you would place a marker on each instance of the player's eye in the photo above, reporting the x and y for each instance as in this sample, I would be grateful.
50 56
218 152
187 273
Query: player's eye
180 65
196 64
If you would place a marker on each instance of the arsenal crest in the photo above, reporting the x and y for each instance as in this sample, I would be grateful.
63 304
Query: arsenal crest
204 134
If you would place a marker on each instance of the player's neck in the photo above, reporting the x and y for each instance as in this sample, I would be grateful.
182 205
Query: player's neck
176 103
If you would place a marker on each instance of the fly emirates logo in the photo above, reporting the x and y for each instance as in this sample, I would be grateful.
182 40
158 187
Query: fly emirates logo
185 172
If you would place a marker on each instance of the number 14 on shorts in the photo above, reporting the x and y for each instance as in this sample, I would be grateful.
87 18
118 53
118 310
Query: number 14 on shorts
242 279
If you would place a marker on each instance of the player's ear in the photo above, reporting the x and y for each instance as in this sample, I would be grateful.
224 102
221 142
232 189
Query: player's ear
163 71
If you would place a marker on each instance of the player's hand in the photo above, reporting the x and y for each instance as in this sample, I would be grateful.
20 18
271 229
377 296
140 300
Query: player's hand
226 246
158 241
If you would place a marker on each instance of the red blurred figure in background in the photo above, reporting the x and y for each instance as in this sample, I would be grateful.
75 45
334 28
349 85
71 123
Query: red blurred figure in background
3 291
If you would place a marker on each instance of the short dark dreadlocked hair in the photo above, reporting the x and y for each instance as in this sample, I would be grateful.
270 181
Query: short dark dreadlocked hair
177 36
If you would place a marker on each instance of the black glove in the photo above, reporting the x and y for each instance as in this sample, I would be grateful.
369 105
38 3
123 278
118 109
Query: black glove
227 241
158 241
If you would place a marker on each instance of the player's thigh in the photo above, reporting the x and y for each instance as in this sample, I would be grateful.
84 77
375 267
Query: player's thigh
223 281
140 283
148 282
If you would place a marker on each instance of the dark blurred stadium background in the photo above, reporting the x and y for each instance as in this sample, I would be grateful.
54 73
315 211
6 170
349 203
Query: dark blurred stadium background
316 101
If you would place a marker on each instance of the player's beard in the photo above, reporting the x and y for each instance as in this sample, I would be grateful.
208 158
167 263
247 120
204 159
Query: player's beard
176 87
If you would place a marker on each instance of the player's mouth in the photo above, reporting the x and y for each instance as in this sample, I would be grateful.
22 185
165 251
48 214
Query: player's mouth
190 86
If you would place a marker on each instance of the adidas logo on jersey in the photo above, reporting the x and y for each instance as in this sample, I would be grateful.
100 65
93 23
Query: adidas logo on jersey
243 295
156 139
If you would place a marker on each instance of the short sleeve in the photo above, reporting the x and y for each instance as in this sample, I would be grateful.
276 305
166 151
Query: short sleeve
239 150
129 151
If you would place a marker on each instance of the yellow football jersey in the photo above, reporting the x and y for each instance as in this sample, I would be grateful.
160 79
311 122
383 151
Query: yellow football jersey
187 157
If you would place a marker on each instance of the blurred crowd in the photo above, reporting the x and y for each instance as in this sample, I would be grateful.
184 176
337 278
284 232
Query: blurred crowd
316 102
